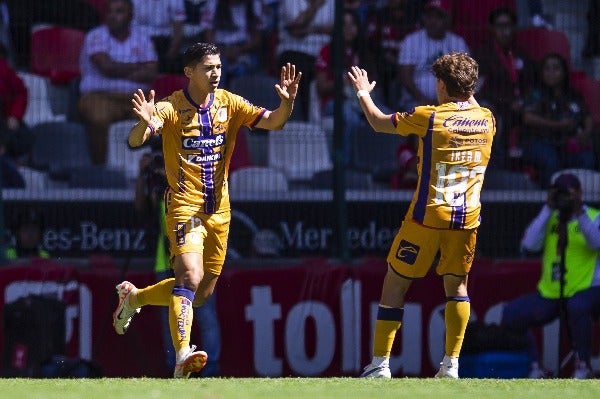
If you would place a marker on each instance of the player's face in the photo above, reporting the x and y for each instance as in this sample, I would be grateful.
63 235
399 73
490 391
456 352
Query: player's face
206 74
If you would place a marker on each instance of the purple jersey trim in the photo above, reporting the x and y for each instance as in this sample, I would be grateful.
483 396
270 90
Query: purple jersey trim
423 184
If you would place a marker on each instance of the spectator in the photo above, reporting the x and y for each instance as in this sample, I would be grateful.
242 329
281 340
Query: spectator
386 28
5 40
354 54
28 237
566 231
116 59
199 17
236 29
10 176
305 26
557 124
162 21
420 48
16 135
592 37
534 11
507 75
149 203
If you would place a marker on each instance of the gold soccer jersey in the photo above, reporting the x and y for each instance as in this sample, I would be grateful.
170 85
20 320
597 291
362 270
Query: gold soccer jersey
456 143
197 144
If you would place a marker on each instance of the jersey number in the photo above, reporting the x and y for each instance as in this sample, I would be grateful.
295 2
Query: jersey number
451 186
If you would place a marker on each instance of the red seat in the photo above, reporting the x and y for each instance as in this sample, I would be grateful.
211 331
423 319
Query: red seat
470 19
590 90
540 41
55 53
166 84
241 154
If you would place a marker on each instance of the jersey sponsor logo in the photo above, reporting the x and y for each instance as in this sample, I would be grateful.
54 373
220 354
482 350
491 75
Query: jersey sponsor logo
456 142
197 142
180 234
407 252
464 125
204 158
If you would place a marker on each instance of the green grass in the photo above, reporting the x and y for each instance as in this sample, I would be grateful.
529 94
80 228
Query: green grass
289 388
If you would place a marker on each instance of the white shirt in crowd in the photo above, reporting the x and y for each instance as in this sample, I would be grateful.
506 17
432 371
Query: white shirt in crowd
136 48
420 50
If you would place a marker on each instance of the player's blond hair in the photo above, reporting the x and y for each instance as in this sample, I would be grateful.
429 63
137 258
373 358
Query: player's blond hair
459 72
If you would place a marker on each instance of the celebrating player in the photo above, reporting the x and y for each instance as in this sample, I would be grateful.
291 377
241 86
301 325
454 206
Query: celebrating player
454 149
198 126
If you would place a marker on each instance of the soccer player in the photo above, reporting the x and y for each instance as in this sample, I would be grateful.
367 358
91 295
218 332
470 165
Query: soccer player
198 126
455 141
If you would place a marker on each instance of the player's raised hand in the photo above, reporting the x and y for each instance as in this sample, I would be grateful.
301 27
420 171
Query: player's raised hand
142 107
360 79
288 88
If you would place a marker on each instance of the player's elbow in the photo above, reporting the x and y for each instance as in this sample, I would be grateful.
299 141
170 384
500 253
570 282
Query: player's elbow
135 141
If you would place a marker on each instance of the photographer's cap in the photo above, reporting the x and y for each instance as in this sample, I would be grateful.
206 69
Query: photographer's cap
567 180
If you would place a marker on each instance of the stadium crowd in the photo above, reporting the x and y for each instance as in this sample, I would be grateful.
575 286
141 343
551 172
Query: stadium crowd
114 51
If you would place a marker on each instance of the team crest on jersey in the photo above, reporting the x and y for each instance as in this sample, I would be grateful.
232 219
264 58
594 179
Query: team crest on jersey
222 115
407 252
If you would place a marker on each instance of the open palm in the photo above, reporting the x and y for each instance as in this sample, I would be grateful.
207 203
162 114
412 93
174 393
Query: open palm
288 88
142 107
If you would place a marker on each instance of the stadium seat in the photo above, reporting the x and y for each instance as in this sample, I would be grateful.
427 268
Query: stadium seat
590 90
119 155
60 147
470 19
39 108
166 84
354 180
96 176
299 150
540 41
498 179
375 153
257 179
241 156
35 180
55 53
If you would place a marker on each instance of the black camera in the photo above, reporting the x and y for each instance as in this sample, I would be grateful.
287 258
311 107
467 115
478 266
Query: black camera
563 200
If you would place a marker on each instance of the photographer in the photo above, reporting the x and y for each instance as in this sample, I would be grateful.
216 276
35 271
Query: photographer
568 234
150 204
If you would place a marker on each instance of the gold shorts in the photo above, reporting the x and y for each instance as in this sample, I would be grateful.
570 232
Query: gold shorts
415 248
190 230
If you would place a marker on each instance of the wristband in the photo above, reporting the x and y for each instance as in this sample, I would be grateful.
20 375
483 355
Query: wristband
361 93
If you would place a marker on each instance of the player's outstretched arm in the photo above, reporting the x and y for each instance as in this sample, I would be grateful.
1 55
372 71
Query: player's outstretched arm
379 121
144 109
287 91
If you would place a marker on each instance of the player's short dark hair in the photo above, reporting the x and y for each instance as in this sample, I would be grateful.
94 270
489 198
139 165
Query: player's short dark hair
197 51
459 72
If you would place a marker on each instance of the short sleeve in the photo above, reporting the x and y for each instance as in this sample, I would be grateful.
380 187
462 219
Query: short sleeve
415 121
